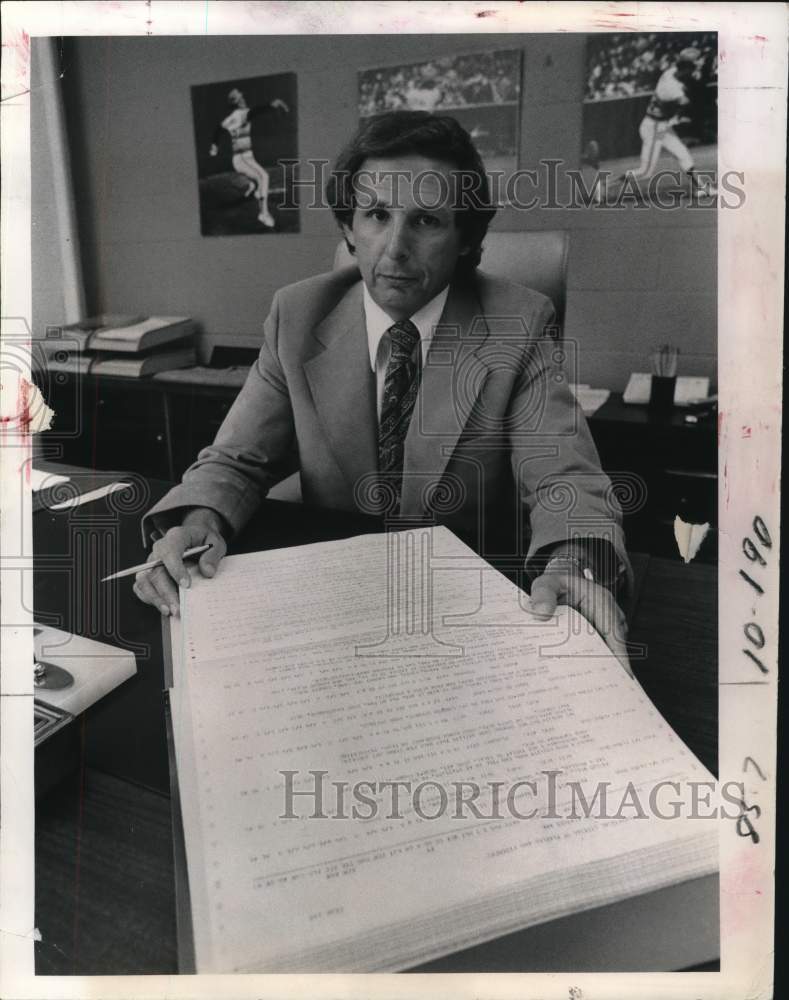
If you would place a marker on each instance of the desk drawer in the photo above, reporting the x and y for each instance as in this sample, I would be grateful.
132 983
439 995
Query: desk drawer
128 430
195 418
210 406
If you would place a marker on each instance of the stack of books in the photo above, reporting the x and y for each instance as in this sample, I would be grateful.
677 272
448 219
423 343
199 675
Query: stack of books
129 346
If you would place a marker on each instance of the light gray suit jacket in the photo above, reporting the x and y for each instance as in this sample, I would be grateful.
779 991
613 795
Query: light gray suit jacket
497 447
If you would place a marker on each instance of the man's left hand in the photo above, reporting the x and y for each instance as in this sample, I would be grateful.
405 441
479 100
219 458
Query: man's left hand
595 602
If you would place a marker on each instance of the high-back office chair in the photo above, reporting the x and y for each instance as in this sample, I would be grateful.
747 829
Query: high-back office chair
537 260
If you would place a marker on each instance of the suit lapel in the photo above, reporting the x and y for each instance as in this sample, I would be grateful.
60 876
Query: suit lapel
343 387
451 381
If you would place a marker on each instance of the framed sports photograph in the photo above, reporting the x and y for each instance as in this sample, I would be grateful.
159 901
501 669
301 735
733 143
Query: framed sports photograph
244 130
481 90
650 115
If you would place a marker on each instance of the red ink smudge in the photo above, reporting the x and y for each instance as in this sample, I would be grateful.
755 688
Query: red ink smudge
23 406
486 13
16 47
22 45
759 38
23 418
720 426
746 432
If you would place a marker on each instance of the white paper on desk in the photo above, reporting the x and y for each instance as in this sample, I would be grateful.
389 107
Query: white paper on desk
286 687
96 667
45 480
688 389
97 494
590 400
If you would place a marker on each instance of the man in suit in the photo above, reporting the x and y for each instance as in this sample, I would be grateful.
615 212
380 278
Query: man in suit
412 385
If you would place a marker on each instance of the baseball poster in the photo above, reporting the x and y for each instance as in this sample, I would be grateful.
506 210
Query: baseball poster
650 115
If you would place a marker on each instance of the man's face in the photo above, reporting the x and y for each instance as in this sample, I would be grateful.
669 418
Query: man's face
404 231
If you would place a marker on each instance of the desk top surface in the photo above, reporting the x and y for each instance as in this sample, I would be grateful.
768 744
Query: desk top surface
226 382
615 410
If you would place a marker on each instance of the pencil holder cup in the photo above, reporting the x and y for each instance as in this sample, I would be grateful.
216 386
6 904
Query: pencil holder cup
661 394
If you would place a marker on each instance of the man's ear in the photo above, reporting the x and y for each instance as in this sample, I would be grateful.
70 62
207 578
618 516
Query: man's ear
348 234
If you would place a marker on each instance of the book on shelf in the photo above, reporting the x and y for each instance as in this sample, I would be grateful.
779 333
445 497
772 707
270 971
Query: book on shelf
342 678
155 331
81 332
122 333
142 365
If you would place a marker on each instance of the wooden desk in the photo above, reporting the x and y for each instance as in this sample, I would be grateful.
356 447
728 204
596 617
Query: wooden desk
675 462
105 897
165 422
122 733
163 425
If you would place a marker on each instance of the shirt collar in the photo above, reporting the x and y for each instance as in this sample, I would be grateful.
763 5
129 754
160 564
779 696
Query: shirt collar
378 322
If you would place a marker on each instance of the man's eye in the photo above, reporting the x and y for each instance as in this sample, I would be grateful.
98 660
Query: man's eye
379 214
429 220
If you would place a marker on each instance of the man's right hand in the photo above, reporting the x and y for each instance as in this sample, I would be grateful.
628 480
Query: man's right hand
159 586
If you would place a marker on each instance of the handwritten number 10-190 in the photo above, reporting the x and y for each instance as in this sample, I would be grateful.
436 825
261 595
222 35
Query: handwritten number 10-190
752 552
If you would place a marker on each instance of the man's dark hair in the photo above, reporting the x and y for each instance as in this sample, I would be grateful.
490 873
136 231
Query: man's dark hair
438 137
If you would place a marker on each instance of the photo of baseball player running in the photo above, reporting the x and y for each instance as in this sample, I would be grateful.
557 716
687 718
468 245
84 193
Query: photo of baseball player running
666 109
651 106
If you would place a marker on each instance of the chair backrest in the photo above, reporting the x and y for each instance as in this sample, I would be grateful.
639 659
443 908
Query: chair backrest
535 259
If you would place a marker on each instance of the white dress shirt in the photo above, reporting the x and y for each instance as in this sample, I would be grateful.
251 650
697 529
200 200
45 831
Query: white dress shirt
378 322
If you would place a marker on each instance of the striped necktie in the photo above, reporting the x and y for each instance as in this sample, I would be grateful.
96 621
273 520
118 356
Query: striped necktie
401 384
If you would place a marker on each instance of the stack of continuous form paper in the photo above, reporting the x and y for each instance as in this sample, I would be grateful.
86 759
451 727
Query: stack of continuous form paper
406 658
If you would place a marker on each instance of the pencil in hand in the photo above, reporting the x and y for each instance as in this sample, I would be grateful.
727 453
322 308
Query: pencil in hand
198 550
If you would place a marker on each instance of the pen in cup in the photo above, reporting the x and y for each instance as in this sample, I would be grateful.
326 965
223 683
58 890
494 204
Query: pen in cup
664 361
